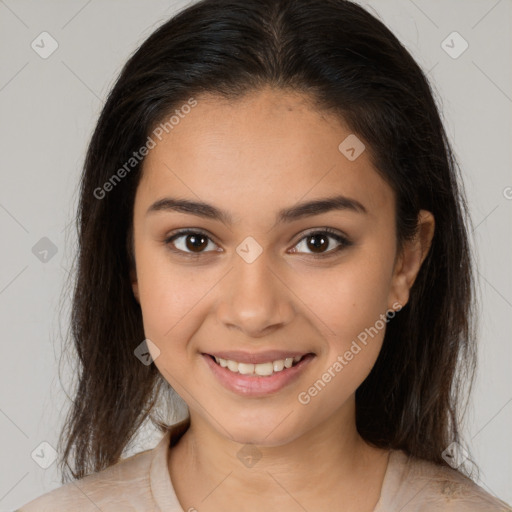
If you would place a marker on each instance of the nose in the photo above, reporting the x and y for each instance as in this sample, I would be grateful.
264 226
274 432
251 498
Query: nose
255 298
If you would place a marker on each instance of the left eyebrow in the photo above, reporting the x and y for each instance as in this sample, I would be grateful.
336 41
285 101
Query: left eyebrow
319 206
310 208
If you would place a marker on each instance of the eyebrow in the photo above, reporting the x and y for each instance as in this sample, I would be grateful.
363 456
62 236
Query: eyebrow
310 208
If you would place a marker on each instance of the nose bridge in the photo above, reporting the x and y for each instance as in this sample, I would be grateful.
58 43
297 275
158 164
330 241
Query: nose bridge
254 298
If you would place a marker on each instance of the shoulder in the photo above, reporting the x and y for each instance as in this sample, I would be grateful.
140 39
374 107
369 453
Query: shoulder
124 486
421 486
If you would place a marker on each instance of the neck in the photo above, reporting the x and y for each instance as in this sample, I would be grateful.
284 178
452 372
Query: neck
330 459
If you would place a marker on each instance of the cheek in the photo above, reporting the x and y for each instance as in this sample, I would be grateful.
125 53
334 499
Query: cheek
168 294
171 300
349 302
349 298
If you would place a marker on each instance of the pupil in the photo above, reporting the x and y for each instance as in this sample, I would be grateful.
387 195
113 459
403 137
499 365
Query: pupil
323 243
193 245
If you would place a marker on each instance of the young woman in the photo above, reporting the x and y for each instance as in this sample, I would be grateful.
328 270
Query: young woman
272 225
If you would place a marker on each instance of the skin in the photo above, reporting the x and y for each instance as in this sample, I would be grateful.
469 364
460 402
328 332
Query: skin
251 158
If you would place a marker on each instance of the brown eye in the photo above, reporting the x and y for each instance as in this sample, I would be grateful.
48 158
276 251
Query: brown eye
196 242
189 242
319 243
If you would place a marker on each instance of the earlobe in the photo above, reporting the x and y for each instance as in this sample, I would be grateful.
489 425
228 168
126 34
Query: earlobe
411 258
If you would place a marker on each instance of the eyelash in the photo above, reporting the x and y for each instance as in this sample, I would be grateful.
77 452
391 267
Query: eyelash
342 240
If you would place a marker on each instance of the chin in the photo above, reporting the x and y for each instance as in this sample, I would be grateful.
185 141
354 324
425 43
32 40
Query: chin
269 431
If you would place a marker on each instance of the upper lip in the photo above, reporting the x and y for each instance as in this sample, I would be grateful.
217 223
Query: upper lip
255 358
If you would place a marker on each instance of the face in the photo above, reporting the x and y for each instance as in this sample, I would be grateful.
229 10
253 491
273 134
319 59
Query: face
255 276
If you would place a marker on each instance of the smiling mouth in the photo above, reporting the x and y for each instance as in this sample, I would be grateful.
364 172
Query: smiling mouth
266 369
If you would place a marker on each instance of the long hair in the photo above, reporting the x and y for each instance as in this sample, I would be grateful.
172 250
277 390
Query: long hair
346 62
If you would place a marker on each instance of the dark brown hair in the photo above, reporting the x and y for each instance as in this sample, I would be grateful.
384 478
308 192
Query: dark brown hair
345 60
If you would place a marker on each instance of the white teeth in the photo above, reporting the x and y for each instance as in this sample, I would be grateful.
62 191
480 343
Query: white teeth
278 365
245 368
261 369
264 369
233 366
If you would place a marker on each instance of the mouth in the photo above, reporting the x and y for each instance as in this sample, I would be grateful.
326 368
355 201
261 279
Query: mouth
261 378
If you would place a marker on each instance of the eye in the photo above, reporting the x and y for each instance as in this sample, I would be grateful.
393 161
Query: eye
193 242
320 240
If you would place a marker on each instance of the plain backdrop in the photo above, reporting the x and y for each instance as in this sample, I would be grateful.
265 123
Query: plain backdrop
48 109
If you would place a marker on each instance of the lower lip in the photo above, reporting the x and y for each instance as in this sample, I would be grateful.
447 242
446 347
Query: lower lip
252 385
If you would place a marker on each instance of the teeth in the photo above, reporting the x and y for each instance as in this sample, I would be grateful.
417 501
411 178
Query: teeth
261 369
278 365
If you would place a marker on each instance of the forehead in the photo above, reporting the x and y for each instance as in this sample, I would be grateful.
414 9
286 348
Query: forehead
269 147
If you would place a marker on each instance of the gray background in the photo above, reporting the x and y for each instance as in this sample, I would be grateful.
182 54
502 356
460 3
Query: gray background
48 109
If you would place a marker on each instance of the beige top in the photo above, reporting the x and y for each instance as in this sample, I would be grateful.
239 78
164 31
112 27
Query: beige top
142 483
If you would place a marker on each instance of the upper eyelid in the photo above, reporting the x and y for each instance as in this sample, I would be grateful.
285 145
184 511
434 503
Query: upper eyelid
187 231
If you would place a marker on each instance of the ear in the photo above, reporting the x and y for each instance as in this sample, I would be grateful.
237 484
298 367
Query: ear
135 284
410 259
